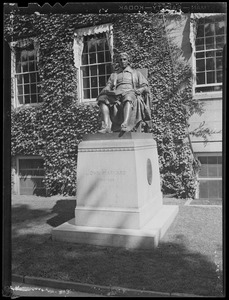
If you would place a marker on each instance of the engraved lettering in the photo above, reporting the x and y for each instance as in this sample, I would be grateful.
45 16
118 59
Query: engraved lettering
104 172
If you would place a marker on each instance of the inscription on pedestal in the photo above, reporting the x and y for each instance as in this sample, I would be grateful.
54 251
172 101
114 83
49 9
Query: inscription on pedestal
105 174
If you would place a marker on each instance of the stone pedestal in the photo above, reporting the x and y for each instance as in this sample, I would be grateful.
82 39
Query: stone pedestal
119 200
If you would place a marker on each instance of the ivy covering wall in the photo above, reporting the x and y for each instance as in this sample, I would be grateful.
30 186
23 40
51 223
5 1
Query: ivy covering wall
55 127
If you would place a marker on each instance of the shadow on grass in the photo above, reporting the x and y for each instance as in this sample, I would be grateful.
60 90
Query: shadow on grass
64 210
23 216
171 267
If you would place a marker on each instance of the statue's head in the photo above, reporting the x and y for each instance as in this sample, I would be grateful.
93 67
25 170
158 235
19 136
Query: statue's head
123 59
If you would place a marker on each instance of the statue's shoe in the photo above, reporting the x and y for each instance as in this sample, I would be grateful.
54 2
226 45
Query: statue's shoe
105 130
125 127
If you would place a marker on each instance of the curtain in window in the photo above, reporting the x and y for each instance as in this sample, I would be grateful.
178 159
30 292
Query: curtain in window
194 22
80 33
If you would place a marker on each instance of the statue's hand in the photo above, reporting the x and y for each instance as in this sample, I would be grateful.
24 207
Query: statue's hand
138 92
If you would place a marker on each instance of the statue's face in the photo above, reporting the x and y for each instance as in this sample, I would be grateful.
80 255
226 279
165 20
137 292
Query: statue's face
123 61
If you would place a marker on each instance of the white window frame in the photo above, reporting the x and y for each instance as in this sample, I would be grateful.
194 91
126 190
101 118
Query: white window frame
206 154
193 31
78 48
18 157
16 103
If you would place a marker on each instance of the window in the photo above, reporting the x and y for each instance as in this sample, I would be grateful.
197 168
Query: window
210 177
31 175
210 40
95 65
93 53
26 76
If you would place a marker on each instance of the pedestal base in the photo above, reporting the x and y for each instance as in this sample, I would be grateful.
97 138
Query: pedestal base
147 237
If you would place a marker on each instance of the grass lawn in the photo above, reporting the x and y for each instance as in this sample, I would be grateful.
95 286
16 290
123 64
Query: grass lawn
188 259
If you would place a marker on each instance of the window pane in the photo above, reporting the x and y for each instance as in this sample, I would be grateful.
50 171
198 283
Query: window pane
210 65
24 55
94 93
200 47
219 63
203 171
85 48
200 55
26 88
107 56
200 30
219 53
212 171
85 71
108 69
84 59
220 45
203 189
31 66
33 88
26 78
37 163
100 57
33 99
94 82
210 77
92 58
210 53
93 70
212 160
102 81
209 29
200 65
39 98
219 28
20 89
19 79
106 45
203 159
31 55
219 170
209 40
220 40
200 78
100 45
213 189
219 76
199 41
101 69
20 99
25 67
86 83
86 94
91 46
18 68
33 77
27 99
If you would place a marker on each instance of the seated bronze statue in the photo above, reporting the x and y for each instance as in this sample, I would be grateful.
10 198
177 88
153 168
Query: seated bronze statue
124 101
